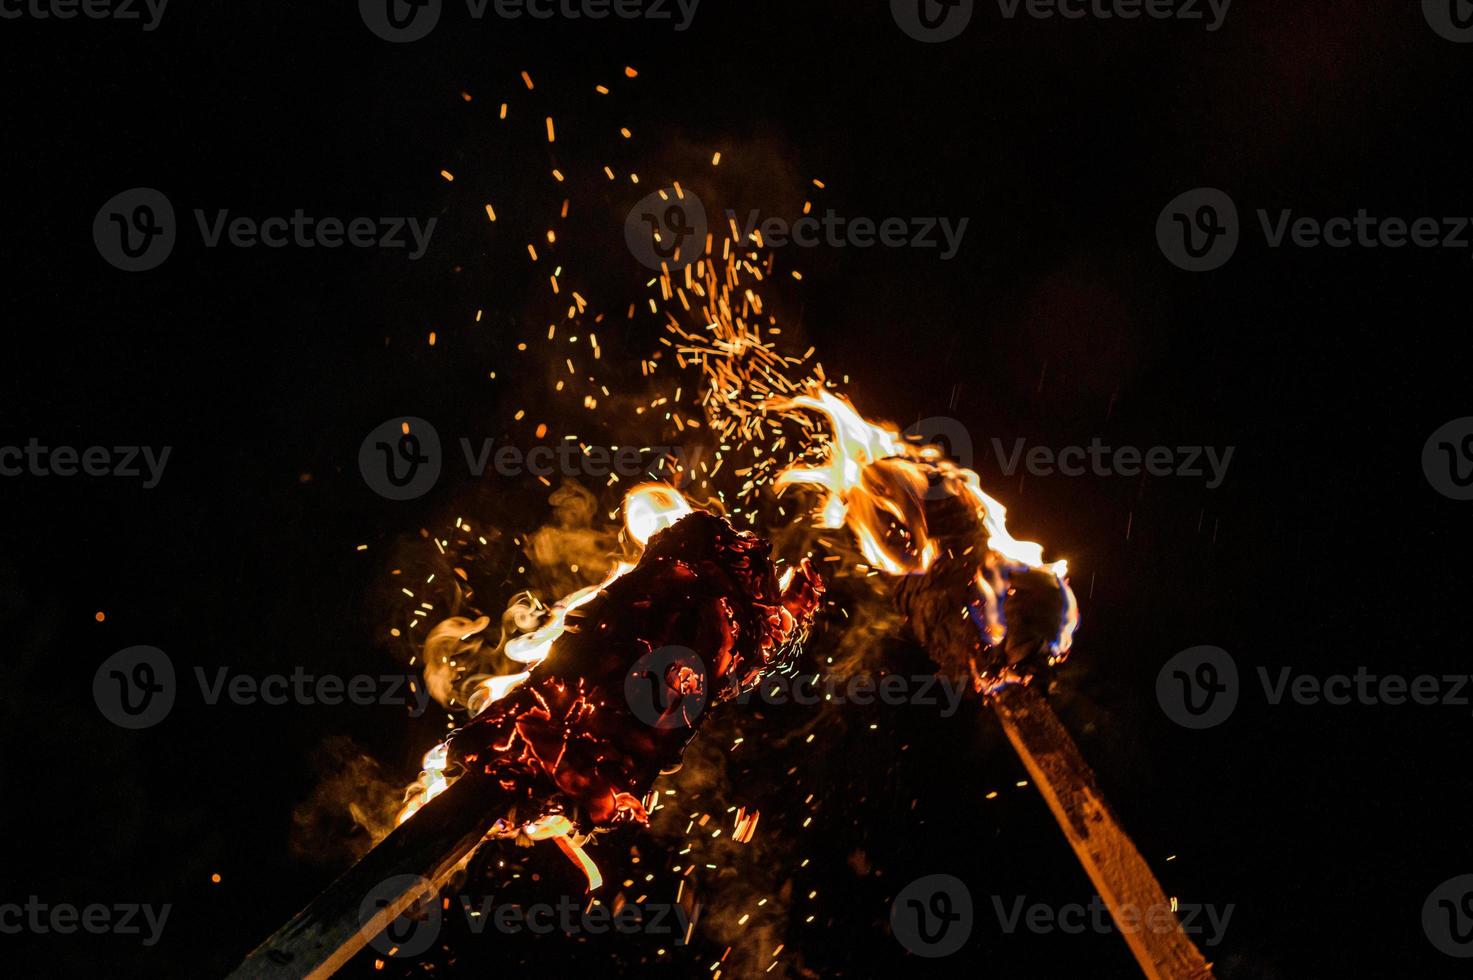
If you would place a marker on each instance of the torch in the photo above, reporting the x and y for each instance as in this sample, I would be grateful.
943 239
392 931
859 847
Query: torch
575 748
987 606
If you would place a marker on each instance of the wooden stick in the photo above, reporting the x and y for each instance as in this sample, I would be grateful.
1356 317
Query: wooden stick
933 603
415 858
1119 873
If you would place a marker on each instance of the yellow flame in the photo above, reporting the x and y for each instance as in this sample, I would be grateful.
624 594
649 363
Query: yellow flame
432 781
652 507
494 689
855 445
534 647
581 858
876 483
866 476
648 508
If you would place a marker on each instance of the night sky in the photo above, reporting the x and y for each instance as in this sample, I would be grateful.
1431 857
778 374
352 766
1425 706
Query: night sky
1325 548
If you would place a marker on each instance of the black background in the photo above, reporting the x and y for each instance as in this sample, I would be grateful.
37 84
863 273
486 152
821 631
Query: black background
1326 549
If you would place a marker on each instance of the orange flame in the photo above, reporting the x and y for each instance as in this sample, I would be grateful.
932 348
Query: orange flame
648 508
876 483
652 507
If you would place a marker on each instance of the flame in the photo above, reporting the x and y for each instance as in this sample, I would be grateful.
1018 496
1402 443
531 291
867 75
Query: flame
534 647
652 507
876 483
648 508
887 520
432 781
855 445
580 857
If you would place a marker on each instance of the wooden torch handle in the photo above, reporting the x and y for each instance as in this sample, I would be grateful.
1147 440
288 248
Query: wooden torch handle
1119 873
413 860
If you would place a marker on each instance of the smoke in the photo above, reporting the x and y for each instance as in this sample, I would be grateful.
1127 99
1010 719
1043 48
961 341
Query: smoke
569 553
351 808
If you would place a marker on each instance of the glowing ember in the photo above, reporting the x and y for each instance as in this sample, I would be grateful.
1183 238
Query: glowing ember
647 508
564 739
572 742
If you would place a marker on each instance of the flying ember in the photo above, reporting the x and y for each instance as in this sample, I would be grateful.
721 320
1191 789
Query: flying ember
699 619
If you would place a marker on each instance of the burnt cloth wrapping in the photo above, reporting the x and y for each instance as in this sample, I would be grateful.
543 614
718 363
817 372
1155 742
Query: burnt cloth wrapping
944 612
703 611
